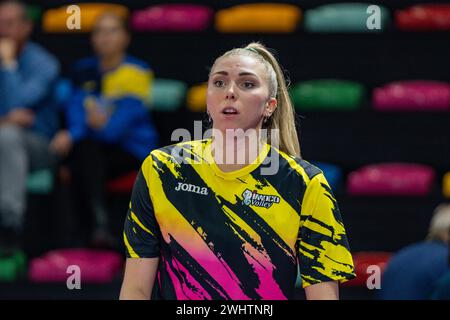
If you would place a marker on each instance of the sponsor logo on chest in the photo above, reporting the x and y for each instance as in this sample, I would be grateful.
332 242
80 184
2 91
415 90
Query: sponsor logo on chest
191 188
259 200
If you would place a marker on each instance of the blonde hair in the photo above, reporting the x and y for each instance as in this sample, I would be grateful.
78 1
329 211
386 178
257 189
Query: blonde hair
440 222
283 118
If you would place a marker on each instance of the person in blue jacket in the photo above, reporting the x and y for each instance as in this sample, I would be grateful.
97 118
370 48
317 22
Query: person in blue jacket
28 115
414 272
442 288
109 130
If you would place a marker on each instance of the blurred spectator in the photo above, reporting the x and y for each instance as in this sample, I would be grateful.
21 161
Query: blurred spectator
109 130
28 116
442 290
414 271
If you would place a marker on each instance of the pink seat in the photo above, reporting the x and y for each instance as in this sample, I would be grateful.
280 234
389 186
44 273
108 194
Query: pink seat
412 96
172 17
362 261
400 179
96 266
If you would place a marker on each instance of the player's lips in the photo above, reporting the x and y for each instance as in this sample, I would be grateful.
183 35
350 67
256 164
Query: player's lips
230 110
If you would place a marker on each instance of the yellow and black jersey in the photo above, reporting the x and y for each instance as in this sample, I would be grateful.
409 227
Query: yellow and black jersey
237 235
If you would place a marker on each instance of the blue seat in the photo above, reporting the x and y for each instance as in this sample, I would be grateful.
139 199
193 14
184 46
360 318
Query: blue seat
332 173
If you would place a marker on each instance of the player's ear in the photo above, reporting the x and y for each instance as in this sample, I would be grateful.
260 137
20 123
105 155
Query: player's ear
271 105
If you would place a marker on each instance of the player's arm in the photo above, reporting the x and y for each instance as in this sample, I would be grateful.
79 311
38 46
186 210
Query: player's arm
323 291
324 253
139 278
26 92
142 240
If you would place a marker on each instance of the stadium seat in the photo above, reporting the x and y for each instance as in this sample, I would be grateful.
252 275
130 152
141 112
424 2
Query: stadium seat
446 185
332 173
40 181
412 96
258 17
362 261
123 184
172 17
343 17
167 94
196 98
12 265
55 20
424 17
327 94
34 13
97 266
391 179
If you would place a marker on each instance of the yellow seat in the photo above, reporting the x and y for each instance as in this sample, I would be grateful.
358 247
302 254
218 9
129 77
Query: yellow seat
55 20
259 17
446 185
196 98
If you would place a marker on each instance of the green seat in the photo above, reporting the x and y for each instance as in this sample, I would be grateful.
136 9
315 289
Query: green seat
167 94
34 13
343 17
12 265
339 95
40 181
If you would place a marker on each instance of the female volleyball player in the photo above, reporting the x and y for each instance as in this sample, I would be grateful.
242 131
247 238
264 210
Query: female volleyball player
203 227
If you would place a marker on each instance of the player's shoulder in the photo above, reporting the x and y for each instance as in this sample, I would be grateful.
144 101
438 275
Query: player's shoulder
177 151
39 52
294 163
189 145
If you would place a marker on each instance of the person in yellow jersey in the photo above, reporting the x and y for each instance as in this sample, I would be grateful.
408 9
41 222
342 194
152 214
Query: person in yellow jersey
201 226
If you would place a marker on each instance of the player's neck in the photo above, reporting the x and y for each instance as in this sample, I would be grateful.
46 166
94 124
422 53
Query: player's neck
232 153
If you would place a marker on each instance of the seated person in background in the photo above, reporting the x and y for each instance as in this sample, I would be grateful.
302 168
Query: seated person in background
442 289
414 271
109 130
28 115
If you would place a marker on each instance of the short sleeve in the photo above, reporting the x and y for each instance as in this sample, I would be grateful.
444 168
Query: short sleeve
324 253
141 231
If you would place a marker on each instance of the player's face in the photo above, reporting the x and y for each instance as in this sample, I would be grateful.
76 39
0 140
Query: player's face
238 93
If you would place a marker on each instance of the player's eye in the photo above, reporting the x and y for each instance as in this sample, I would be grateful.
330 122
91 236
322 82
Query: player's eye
219 83
248 85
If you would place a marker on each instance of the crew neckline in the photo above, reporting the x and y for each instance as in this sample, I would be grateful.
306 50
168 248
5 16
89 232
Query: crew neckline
236 173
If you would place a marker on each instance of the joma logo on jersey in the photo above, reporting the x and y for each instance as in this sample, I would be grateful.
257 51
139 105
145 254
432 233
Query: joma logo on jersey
191 188
259 200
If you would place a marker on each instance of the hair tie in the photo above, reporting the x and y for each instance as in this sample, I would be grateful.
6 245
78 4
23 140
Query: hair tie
252 50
